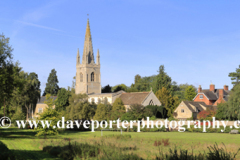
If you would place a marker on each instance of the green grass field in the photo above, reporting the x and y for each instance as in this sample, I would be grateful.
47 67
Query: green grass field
26 145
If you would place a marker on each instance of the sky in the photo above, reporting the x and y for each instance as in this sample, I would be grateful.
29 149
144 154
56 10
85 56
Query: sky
198 42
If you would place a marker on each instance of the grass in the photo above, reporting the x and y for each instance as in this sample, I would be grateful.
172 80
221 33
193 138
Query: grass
25 145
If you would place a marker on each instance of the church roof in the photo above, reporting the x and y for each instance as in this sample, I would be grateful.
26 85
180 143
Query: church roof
133 97
43 98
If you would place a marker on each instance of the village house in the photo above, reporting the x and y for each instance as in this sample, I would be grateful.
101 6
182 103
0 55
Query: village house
212 96
190 109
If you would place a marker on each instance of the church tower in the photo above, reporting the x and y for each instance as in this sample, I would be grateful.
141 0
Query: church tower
88 77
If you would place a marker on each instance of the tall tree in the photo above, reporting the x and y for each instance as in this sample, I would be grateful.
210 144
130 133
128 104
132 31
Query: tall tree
107 89
190 93
235 76
52 83
163 80
168 101
6 70
62 100
137 78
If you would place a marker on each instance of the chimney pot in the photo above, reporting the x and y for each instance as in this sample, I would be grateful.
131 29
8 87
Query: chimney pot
225 87
199 89
212 87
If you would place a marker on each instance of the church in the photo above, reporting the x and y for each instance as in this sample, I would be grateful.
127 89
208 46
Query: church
88 80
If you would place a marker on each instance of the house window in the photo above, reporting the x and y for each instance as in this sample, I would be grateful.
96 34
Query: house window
182 110
40 110
81 77
151 102
92 76
201 96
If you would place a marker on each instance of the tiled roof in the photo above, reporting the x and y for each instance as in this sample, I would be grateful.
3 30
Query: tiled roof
43 98
198 105
213 95
133 97
113 93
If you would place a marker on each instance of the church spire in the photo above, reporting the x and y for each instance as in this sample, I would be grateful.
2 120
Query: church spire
78 57
88 48
98 57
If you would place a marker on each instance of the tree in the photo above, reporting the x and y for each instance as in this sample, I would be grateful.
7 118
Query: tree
79 107
233 103
137 78
137 111
155 110
168 101
62 100
101 112
118 109
190 93
163 80
52 83
119 88
107 89
235 76
49 114
6 71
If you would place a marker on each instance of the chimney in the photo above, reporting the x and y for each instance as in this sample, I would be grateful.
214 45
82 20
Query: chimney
212 87
199 89
220 93
225 87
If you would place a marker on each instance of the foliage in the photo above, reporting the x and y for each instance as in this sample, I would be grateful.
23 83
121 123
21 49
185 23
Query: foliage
128 116
230 109
62 100
137 111
206 114
118 109
101 112
190 93
235 76
157 111
49 114
7 82
18 115
79 107
52 84
168 101
119 88
107 89
163 80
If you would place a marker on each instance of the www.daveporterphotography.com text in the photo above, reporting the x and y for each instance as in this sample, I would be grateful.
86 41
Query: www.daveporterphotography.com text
94 124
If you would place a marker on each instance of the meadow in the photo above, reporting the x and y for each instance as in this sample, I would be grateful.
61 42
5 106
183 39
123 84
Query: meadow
146 145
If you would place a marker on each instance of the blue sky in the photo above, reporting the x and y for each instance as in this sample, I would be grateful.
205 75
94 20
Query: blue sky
196 41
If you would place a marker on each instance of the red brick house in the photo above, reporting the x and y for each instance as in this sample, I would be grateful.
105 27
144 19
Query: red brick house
212 96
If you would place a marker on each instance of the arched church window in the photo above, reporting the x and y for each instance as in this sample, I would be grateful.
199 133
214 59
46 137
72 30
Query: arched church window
81 77
87 77
151 102
92 76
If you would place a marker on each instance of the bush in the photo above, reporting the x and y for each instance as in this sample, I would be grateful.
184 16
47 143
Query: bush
153 118
127 117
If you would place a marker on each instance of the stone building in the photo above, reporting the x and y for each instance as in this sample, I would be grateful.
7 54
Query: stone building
88 81
88 77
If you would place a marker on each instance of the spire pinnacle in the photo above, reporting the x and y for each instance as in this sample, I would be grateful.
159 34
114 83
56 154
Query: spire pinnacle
88 49
78 57
98 57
